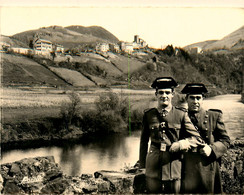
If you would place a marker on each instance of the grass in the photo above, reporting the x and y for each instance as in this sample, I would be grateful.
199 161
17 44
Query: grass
25 104
15 98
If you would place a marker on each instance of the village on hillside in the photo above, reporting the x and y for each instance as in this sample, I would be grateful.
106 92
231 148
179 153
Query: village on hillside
45 47
48 49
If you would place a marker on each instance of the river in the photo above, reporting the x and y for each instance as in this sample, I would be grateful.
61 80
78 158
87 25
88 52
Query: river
117 151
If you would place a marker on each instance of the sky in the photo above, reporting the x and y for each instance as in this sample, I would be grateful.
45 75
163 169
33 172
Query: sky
158 22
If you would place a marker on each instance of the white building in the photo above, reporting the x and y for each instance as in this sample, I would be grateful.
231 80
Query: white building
114 48
20 50
103 47
42 46
127 47
58 48
195 50
4 46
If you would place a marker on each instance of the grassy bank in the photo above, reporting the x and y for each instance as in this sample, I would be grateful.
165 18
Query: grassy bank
49 115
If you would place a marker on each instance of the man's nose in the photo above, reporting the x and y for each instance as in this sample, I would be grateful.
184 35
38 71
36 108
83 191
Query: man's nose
195 100
164 94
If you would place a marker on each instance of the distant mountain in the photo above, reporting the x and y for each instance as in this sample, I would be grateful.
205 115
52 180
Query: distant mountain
95 31
202 44
12 41
233 41
71 36
228 41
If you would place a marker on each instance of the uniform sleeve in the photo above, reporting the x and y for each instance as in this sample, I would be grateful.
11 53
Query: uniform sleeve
190 129
221 138
144 143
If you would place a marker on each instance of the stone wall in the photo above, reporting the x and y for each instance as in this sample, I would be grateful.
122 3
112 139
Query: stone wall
42 175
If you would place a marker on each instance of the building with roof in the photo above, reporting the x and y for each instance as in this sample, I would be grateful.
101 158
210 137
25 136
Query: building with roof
20 50
42 46
4 46
102 47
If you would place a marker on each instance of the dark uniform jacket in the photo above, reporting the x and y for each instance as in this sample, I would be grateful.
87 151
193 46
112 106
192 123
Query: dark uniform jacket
163 164
201 174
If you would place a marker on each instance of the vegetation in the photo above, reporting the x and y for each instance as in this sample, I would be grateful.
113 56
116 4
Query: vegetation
111 114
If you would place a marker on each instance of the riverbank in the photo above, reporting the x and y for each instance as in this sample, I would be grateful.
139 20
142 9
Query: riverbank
42 175
48 117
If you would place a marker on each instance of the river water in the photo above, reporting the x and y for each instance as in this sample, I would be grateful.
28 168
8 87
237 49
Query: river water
118 151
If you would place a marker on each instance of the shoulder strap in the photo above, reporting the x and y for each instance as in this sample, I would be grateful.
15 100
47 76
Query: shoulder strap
182 109
216 110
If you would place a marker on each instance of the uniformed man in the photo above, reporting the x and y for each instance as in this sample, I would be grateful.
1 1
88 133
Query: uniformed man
201 172
165 125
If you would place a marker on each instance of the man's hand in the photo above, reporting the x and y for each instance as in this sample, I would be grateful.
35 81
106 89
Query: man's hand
183 144
206 150
175 147
143 170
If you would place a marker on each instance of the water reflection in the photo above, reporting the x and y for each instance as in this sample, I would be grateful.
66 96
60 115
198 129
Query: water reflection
110 152
114 151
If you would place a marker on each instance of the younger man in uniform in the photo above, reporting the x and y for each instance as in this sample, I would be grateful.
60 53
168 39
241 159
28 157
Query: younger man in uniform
165 125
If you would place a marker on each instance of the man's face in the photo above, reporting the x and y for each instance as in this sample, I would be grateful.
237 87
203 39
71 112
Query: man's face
194 102
164 96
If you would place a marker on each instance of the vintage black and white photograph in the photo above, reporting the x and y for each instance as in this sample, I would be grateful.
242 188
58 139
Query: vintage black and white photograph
122 97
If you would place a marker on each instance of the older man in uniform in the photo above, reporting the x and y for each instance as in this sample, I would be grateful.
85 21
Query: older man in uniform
165 125
201 172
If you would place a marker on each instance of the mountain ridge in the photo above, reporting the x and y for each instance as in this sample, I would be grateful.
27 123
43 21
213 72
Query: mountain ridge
68 36
229 42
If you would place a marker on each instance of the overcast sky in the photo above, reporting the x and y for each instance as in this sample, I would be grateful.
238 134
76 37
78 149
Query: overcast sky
158 22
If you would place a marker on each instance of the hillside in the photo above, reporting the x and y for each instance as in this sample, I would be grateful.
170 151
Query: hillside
21 71
222 71
95 31
228 41
233 41
66 36
202 44
13 42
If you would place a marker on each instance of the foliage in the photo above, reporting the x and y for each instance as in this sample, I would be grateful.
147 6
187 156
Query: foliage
222 70
86 67
70 110
111 115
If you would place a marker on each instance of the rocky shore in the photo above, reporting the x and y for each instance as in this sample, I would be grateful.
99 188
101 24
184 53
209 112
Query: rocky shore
41 175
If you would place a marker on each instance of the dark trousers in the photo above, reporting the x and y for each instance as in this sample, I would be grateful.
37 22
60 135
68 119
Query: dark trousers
167 187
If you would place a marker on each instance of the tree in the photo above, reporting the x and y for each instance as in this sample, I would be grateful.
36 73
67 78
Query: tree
53 54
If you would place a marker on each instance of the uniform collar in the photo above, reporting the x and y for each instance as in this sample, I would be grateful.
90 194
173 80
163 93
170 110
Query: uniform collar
197 113
168 108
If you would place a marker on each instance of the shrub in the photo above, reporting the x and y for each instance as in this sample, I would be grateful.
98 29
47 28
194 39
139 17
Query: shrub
107 101
111 101
70 110
136 118
111 115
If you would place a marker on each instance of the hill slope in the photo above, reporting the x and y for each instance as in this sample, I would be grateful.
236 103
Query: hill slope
12 41
228 41
202 44
233 41
95 31
20 70
67 37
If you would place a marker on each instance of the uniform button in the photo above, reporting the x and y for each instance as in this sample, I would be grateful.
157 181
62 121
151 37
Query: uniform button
152 127
206 116
163 131
205 122
206 129
163 137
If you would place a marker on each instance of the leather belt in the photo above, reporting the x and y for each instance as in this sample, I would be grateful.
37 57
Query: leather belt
158 145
